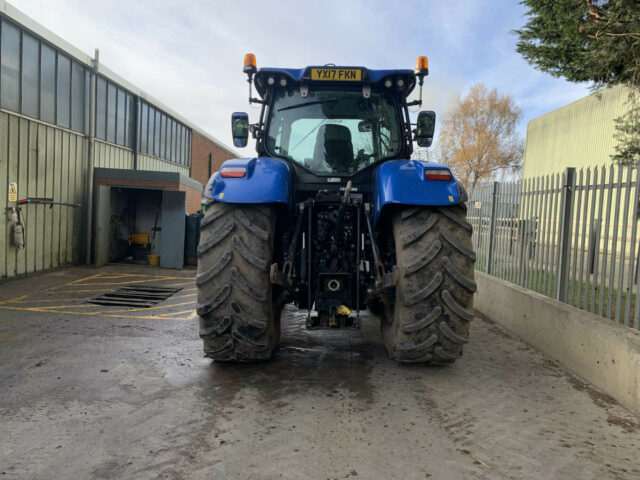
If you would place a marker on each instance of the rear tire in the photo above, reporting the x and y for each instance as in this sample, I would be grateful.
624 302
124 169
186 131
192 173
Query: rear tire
238 318
434 295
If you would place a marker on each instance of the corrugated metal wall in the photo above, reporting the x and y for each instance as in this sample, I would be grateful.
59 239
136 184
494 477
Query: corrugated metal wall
578 135
50 162
108 155
146 162
44 135
45 161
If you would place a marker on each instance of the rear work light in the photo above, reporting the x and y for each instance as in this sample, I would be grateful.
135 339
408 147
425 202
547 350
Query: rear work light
233 172
438 174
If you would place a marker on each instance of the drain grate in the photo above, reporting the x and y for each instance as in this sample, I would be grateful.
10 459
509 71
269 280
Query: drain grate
135 296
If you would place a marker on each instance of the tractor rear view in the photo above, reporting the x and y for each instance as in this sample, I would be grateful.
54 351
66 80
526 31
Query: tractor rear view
334 217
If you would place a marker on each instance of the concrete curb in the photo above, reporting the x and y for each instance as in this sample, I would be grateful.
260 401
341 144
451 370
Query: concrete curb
598 350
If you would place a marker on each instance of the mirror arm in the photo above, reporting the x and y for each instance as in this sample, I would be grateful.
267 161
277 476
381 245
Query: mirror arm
256 131
419 101
251 99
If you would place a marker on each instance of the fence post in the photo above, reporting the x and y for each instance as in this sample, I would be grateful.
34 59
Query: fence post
522 240
566 227
492 226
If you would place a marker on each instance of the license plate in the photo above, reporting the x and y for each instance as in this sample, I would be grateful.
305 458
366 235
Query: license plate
337 74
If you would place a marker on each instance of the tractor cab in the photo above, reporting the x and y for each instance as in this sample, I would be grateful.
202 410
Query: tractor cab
329 121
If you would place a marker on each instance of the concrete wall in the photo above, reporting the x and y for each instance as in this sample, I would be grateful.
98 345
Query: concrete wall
146 162
201 149
580 134
598 350
45 161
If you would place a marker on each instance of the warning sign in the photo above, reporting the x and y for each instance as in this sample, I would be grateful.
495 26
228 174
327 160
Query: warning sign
13 192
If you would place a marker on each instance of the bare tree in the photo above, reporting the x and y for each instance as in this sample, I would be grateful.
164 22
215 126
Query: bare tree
478 137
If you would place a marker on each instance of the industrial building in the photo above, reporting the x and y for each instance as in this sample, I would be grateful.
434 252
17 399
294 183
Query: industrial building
75 132
581 134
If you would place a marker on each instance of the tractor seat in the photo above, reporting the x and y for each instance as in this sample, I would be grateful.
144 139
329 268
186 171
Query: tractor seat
334 144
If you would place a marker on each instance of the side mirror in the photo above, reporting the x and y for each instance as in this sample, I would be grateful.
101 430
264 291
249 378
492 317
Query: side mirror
240 128
365 126
425 127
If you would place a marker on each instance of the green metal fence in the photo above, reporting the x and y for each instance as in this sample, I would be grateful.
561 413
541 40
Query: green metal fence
571 236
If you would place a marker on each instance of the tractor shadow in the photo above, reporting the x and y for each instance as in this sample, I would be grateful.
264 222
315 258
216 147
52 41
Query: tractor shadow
325 362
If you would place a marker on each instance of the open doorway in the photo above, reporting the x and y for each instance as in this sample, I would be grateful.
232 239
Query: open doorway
135 225
130 223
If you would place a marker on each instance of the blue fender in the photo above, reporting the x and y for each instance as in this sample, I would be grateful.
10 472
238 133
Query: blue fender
268 180
404 182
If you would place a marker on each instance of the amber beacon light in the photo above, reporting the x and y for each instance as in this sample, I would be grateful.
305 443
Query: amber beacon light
422 66
249 64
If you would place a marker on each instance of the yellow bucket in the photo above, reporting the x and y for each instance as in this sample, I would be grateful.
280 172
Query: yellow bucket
154 260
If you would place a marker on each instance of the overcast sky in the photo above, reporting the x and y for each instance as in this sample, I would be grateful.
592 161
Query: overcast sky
188 54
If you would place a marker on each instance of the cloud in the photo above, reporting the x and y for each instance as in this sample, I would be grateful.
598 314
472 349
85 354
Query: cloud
188 54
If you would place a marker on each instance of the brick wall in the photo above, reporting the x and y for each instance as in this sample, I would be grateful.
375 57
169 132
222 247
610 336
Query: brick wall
201 148
193 199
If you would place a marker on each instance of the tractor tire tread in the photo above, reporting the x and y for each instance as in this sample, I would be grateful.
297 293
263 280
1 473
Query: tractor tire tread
209 219
248 255
418 231
451 214
207 275
457 244
423 322
424 292
242 217
424 260
433 304
239 321
458 276
217 236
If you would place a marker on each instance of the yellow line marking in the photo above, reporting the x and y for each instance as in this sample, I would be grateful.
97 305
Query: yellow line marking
91 290
113 276
93 314
191 310
49 300
46 309
129 282
178 284
122 275
84 305
75 282
13 300
154 308
90 305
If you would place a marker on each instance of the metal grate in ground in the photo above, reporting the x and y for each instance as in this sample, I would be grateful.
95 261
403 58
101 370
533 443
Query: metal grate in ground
135 296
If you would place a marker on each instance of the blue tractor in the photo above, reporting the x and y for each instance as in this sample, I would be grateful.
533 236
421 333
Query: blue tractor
334 217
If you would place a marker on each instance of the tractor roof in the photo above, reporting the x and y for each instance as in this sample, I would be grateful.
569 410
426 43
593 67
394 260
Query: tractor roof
338 76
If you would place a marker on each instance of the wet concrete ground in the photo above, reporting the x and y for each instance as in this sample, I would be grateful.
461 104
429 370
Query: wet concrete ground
108 393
